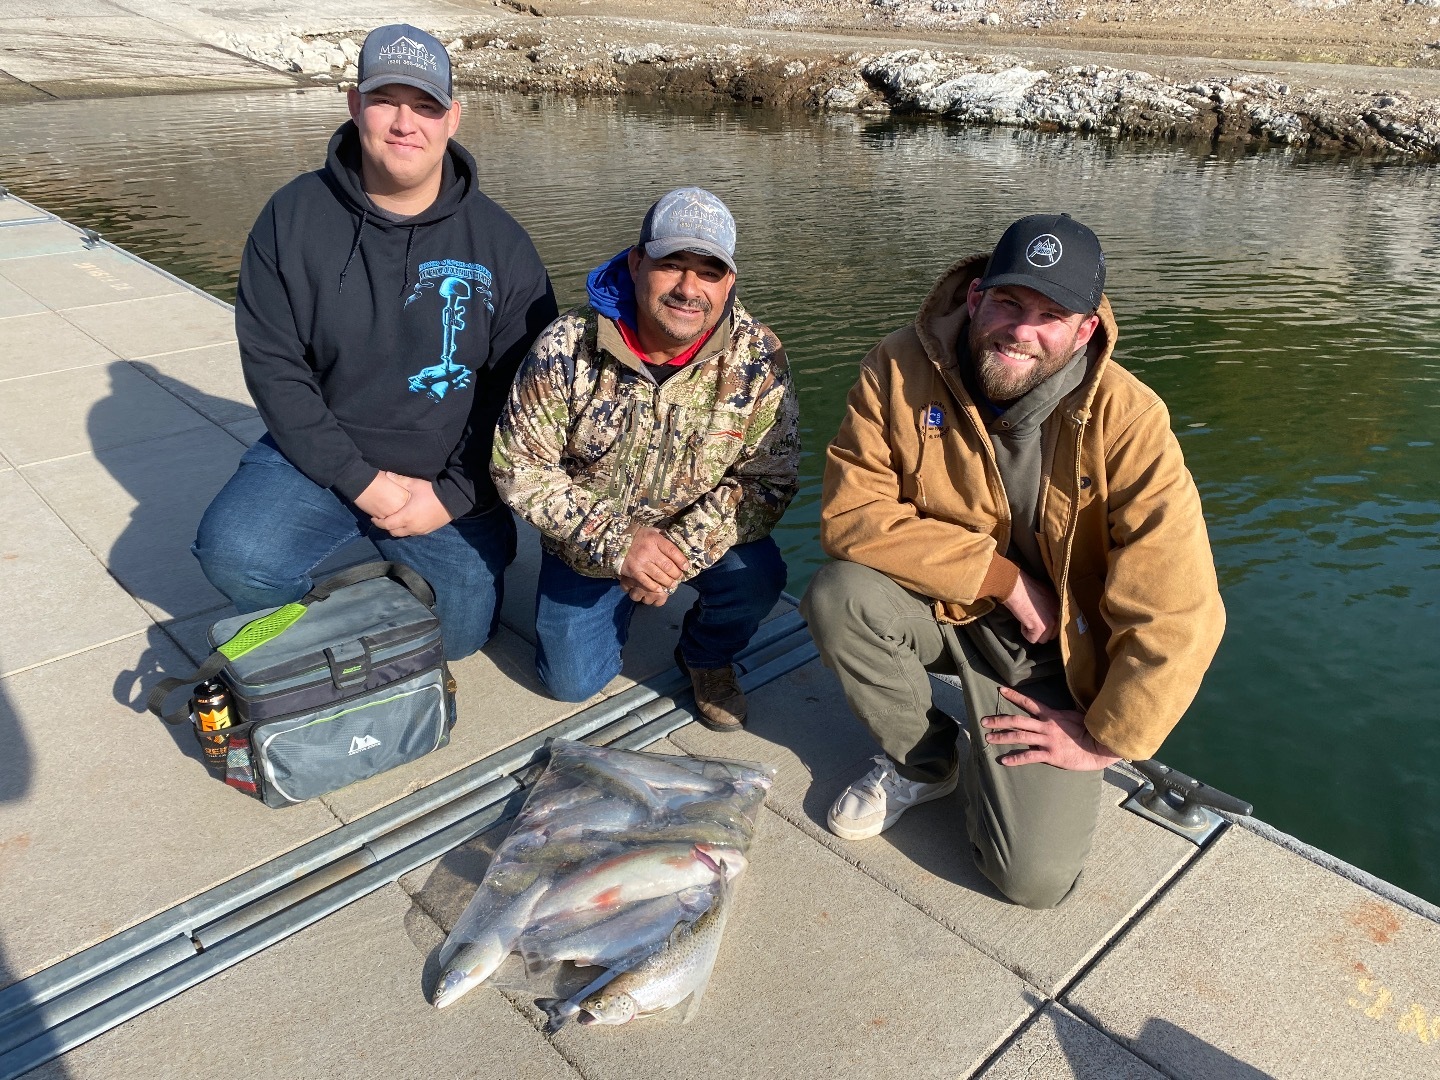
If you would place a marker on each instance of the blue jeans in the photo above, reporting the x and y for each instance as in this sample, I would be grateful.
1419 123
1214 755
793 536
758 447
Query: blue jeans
270 526
581 623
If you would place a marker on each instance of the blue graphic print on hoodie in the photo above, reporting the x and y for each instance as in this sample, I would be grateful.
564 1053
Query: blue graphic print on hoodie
370 343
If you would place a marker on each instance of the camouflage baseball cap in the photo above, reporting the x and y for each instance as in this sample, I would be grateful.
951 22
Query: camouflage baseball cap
401 53
689 219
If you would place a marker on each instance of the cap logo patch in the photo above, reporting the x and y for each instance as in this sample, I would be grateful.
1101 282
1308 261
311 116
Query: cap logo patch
409 53
696 219
1044 251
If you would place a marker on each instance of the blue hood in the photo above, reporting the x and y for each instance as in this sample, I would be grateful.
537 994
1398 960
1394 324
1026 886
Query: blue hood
611 290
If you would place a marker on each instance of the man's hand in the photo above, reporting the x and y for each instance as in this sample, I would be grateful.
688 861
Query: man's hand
1055 736
654 562
383 497
422 512
1036 608
642 595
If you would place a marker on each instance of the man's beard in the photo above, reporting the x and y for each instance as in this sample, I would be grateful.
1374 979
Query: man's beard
999 382
660 312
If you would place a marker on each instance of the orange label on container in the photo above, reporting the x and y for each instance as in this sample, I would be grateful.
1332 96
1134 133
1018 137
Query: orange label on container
214 721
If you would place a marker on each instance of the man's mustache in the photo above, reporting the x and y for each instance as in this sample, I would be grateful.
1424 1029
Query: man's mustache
996 346
698 304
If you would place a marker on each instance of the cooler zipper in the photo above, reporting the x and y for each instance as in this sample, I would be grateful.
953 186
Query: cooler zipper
326 670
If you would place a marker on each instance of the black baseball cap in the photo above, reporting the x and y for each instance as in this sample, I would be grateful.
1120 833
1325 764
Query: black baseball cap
1053 254
401 53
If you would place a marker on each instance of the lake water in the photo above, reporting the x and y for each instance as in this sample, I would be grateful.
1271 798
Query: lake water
1285 310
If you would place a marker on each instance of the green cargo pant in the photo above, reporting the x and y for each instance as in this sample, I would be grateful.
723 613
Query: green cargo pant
1030 826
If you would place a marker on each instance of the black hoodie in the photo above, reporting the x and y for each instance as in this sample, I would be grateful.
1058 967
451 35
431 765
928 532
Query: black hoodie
372 344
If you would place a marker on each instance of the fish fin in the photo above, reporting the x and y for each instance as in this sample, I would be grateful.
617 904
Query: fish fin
695 901
705 859
558 1012
694 1006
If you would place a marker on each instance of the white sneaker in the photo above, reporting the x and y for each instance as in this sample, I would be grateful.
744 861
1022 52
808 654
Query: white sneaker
875 802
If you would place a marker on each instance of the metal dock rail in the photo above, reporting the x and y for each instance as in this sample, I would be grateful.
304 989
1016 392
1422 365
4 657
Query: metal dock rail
155 922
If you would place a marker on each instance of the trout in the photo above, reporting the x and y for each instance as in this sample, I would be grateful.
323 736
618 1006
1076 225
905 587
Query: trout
640 875
632 932
476 960
678 971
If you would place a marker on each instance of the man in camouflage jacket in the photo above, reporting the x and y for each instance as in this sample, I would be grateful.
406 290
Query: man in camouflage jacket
652 437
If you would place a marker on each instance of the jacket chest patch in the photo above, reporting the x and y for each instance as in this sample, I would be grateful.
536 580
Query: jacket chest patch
932 421
459 287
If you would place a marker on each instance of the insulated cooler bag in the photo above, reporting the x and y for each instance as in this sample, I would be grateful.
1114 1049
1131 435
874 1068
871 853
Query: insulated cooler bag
345 683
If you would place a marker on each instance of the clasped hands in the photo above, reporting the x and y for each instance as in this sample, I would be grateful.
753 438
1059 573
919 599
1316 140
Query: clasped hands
1054 736
403 505
653 567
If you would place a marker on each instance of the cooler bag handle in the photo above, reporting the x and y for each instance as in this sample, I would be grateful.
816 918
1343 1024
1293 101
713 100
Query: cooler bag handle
416 585
268 627
165 687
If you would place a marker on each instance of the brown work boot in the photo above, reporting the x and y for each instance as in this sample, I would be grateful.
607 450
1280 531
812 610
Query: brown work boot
718 697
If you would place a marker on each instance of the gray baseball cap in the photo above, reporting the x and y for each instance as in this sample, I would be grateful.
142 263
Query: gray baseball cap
401 53
689 219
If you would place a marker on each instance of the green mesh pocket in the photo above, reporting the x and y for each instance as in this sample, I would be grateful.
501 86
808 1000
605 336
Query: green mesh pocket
254 634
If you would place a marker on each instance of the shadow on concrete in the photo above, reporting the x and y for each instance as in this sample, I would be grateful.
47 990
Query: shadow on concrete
17 778
1161 1050
136 557
161 658
1177 1052
17 766
932 836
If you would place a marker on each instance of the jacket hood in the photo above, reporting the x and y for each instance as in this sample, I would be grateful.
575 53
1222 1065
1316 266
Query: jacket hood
611 292
342 172
944 315
611 289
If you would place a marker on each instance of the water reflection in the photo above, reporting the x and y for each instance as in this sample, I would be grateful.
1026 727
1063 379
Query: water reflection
1283 309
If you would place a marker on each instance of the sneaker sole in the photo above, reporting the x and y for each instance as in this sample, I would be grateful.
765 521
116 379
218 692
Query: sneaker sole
890 819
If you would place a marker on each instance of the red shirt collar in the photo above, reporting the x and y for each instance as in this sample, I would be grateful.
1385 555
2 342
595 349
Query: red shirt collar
684 358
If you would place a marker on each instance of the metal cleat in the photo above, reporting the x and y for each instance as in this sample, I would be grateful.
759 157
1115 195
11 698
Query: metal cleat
1181 803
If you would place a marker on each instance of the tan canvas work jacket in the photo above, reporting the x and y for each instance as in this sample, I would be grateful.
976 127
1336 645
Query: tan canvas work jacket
912 489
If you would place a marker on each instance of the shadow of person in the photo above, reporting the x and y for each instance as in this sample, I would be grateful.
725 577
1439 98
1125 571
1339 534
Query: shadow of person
1177 1052
1090 1053
17 780
169 480
160 659
17 765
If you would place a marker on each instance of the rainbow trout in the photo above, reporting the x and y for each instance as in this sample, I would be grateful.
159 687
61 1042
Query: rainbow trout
678 971
613 940
476 960
640 875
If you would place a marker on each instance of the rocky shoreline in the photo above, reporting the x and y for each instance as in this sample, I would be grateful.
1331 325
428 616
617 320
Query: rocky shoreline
585 57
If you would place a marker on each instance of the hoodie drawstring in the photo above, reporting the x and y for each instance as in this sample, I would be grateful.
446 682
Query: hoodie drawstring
410 243
364 218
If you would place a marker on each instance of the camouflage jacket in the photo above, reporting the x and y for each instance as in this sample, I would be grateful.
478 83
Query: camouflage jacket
590 448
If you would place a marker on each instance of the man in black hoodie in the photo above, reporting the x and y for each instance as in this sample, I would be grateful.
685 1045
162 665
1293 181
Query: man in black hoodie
383 308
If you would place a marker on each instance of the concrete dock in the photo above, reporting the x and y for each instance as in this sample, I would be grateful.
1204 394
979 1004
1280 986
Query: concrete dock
122 411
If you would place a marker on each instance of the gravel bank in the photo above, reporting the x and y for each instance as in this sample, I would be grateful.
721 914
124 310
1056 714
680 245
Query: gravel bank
1200 99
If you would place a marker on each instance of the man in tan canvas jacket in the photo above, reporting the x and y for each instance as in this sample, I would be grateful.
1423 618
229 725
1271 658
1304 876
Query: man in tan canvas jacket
1012 511
652 436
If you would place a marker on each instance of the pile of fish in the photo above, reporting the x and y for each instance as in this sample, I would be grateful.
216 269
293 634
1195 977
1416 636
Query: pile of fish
620 861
